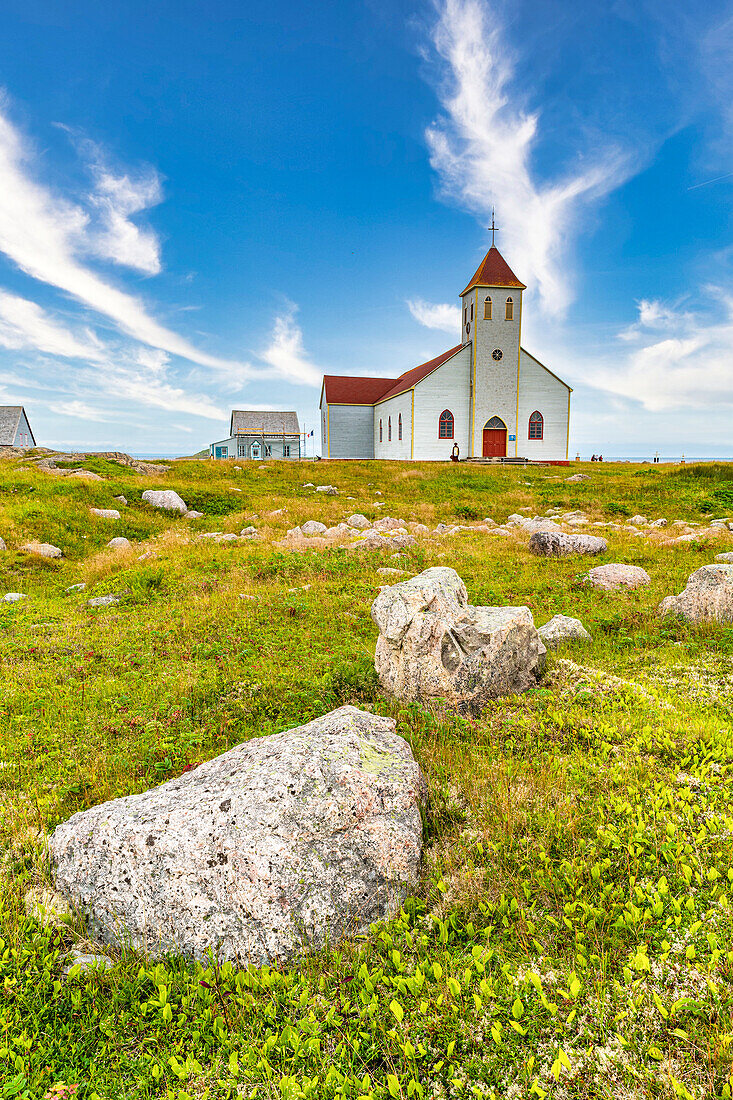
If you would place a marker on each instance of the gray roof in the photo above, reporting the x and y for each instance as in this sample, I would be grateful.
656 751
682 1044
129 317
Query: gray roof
9 418
267 421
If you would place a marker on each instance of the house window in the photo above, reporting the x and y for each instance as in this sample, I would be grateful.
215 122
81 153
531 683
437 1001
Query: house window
242 450
286 450
380 431
536 425
268 450
445 425
510 309
389 429
399 426
487 309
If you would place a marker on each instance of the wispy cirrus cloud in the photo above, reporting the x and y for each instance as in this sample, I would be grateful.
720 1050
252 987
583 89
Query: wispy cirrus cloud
482 144
438 315
120 239
285 355
78 410
25 325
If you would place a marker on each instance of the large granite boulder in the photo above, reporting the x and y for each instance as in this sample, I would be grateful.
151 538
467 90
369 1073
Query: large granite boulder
167 499
617 575
563 628
552 544
282 843
707 597
433 644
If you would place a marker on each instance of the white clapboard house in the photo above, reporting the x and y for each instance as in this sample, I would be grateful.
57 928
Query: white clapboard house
488 395
258 435
15 430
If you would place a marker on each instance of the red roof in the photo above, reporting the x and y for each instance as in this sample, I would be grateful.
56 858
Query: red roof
345 389
411 377
494 271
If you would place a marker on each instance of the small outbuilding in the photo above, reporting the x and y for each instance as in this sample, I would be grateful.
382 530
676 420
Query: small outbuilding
260 434
15 431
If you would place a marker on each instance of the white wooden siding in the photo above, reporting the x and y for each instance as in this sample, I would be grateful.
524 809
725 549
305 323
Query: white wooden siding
448 387
350 430
540 391
397 448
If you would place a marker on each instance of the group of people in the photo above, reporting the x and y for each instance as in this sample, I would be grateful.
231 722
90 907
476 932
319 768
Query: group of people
596 458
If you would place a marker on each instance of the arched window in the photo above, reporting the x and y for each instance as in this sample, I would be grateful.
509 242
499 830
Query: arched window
510 309
389 429
380 431
536 425
445 425
399 426
487 308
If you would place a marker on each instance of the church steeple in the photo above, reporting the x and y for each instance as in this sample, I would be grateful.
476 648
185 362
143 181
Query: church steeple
494 271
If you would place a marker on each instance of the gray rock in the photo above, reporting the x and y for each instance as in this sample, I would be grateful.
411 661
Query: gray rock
119 543
284 842
616 575
121 499
728 556
167 499
358 520
434 645
659 523
557 544
42 550
578 477
533 525
192 514
389 523
515 520
76 587
14 597
81 962
329 490
562 628
638 520
707 597
105 513
312 527
2 544
248 530
103 601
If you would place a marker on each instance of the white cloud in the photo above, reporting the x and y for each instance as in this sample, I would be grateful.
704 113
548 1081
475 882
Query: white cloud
23 324
482 146
120 240
43 235
438 315
680 360
286 355
78 410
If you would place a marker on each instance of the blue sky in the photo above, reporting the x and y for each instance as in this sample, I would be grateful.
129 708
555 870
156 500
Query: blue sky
207 208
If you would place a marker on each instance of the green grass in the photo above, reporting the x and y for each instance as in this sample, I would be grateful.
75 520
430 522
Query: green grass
572 933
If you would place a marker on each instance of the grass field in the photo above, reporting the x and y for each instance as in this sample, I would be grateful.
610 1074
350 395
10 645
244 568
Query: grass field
572 935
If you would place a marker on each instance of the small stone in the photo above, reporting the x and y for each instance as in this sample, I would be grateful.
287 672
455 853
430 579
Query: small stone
167 499
42 550
309 485
2 544
386 571
119 543
103 601
312 527
578 477
105 513
14 597
76 587
121 499
47 907
638 520
558 544
248 530
562 628
329 490
615 575
81 962
192 514
358 520
659 523
728 556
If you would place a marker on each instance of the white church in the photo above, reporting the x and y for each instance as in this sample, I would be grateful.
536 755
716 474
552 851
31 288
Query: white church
488 396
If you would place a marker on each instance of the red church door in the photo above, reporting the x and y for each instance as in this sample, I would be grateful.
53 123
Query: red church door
494 438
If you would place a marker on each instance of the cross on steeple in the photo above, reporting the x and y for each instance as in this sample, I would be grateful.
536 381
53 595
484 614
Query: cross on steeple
494 229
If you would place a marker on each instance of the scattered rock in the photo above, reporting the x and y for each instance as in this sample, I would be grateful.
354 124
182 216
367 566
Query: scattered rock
192 514
167 499
387 571
14 597
249 532
47 907
76 587
121 499
81 962
615 575
42 549
329 490
103 601
578 477
312 527
119 543
389 523
358 520
434 645
105 513
562 628
637 520
2 544
659 523
285 842
724 557
309 485
707 597
558 544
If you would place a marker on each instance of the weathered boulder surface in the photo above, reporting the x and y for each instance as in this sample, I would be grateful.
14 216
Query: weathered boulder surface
578 477
105 513
617 575
728 556
42 549
562 628
119 543
358 520
282 843
312 527
167 499
707 597
433 644
557 544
